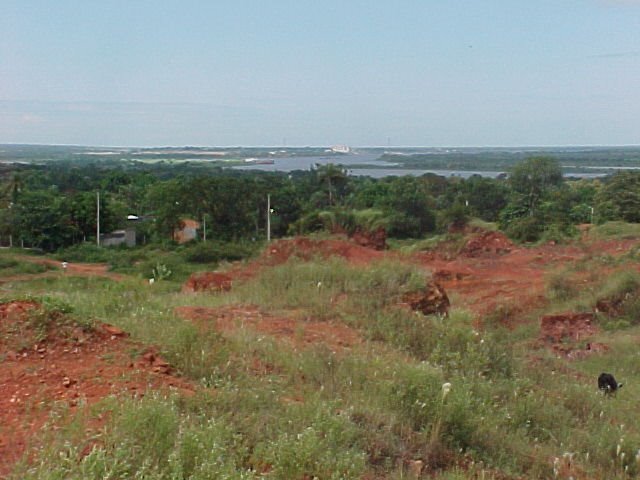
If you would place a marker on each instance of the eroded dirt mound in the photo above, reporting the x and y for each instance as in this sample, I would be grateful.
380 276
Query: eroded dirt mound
297 331
616 306
565 334
207 282
487 243
305 248
49 360
376 239
432 300
14 311
567 326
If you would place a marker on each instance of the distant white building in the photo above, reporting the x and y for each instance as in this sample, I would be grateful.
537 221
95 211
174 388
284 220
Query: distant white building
119 237
341 149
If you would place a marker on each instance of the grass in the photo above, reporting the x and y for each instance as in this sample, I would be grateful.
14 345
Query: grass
615 230
369 410
447 244
181 260
10 265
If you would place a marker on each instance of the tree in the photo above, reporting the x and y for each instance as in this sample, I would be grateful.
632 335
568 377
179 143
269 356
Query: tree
334 177
410 207
619 198
533 178
44 220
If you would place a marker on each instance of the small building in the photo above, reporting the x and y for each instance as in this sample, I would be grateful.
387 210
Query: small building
188 230
119 237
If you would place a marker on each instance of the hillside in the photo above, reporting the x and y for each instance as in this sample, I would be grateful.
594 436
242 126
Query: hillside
315 359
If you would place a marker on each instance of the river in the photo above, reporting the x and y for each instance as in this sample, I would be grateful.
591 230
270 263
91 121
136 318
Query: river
379 168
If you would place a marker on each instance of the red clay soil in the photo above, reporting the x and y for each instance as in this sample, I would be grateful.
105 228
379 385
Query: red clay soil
565 334
376 239
279 251
300 333
569 326
511 282
305 248
207 282
64 366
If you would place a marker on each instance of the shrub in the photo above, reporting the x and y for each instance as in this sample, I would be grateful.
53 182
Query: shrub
525 229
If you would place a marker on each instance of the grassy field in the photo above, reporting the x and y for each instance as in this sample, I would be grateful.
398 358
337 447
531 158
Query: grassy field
464 402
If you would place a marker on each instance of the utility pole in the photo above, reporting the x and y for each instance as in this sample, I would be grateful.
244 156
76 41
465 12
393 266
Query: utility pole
98 218
268 217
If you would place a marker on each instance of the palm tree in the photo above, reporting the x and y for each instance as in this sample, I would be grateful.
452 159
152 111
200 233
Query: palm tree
331 174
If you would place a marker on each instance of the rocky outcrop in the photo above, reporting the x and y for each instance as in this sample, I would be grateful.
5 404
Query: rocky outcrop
432 300
487 243
207 282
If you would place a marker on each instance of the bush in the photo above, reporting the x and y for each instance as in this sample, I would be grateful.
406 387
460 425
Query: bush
525 229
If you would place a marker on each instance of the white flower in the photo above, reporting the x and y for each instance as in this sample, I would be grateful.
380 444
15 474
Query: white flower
446 388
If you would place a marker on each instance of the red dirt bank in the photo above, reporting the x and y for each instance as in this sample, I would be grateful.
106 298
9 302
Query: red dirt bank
69 366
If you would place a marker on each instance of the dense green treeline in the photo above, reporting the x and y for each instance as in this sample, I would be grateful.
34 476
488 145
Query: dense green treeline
54 205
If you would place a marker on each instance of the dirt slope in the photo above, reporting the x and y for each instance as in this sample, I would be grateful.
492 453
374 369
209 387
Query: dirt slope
68 366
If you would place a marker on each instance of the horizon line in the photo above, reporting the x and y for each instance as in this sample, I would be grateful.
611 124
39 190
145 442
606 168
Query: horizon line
586 145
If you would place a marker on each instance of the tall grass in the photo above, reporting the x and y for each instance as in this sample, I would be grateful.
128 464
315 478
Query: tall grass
265 409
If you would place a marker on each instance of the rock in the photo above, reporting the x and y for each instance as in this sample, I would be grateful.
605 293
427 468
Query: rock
433 299
67 382
208 281
114 331
157 364
487 243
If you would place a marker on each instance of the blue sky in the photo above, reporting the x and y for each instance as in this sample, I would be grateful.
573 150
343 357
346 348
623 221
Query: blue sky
429 72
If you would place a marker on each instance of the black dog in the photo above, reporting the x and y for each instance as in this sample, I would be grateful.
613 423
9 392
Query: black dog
607 383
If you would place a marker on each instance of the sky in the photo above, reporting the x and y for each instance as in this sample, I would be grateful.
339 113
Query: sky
303 72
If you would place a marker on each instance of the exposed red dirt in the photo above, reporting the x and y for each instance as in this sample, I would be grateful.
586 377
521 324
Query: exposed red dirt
279 251
72 269
376 239
567 326
207 282
509 284
64 365
298 332
432 300
305 248
565 334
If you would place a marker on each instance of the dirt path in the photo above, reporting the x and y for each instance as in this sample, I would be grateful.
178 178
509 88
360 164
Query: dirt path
74 269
